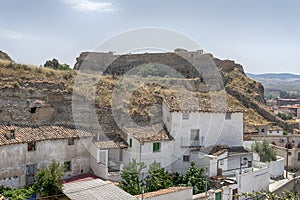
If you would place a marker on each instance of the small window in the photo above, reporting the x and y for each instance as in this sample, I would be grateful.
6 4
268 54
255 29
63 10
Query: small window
156 147
33 110
68 166
195 134
262 130
130 142
277 131
71 141
31 146
185 115
186 158
228 116
299 156
270 131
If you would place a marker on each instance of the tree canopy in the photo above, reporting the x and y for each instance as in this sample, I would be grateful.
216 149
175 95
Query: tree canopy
54 64
264 150
131 181
49 179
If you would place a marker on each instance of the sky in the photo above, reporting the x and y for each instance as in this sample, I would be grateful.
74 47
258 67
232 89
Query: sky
263 36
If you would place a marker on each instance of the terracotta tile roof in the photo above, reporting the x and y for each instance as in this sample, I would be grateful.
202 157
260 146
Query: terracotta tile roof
249 129
162 192
27 133
206 103
274 128
156 132
110 144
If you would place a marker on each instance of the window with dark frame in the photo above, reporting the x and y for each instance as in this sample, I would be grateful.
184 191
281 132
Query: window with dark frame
185 115
68 166
195 134
31 146
299 156
186 158
30 173
228 116
156 147
71 141
130 142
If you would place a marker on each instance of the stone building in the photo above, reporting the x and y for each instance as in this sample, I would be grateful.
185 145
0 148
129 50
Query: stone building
25 148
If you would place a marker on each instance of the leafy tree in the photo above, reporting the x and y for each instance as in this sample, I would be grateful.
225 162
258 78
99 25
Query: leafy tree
159 178
16 194
54 64
284 116
177 179
264 150
131 182
49 179
195 178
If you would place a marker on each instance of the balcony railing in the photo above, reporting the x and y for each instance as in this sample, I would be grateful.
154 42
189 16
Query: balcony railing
187 142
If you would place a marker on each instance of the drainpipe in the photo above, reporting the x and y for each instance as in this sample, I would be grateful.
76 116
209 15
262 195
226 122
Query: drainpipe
141 143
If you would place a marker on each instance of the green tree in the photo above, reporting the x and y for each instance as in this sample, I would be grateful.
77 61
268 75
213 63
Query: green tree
264 150
16 194
54 64
131 182
195 178
49 179
159 178
284 116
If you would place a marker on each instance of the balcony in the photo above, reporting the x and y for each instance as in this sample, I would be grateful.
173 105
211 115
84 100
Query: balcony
187 142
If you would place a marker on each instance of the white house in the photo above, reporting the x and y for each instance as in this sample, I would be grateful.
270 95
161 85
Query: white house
197 126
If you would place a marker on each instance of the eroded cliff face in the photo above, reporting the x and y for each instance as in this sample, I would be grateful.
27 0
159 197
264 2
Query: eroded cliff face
39 95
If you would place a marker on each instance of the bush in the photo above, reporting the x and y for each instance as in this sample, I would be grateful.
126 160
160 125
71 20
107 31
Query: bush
54 64
264 150
159 178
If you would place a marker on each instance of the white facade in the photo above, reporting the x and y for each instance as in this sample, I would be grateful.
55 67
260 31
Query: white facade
195 129
143 152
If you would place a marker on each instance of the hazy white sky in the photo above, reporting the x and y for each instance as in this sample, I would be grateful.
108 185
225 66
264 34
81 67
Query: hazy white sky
263 36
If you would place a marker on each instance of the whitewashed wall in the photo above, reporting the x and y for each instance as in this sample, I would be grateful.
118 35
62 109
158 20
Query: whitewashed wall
254 181
183 194
145 153
277 168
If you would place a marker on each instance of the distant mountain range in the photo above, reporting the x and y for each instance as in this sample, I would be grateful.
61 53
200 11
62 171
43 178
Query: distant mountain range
278 81
273 76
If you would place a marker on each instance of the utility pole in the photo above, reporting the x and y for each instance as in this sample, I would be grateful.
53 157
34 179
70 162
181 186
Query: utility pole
205 183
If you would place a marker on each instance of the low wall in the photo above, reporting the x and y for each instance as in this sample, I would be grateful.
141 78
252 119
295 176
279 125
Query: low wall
277 168
173 193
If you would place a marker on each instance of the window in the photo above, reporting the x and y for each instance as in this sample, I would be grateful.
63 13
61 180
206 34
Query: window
186 158
130 142
299 156
185 116
262 130
31 146
30 173
218 196
228 116
195 134
156 147
270 131
103 157
71 141
277 131
68 166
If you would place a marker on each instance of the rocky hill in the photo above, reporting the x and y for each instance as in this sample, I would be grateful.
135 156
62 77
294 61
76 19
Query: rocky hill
40 95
